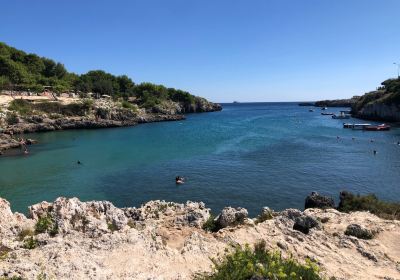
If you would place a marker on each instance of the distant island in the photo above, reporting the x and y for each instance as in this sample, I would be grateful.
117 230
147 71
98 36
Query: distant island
39 94
382 104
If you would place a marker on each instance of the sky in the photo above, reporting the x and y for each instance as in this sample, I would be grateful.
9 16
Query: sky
249 50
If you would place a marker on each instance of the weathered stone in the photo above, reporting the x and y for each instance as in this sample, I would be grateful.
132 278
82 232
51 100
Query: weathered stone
231 216
359 231
305 223
315 200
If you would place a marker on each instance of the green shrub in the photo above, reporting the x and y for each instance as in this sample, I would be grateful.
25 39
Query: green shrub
211 225
46 224
128 105
112 227
264 217
30 243
245 263
12 118
23 107
24 233
386 210
4 250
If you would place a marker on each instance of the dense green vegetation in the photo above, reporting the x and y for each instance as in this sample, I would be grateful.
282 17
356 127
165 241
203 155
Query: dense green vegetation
388 93
245 263
211 225
387 210
22 71
24 107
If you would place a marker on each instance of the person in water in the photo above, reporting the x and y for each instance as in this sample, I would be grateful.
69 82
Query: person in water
78 162
179 180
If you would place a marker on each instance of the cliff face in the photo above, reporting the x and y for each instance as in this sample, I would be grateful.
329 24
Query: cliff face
70 239
383 104
338 102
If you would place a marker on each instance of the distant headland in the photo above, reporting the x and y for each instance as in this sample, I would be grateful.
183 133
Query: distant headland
382 104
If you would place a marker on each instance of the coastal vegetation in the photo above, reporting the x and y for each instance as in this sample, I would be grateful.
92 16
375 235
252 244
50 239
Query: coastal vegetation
245 263
350 202
20 71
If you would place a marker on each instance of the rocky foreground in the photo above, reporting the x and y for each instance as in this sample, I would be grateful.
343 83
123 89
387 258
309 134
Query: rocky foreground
70 239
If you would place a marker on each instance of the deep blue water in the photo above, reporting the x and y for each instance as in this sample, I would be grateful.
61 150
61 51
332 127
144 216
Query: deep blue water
249 155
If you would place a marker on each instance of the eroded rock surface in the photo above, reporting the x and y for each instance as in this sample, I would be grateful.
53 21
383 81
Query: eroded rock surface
164 240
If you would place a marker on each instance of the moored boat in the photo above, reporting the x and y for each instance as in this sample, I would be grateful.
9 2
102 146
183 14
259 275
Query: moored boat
327 114
381 127
341 116
356 126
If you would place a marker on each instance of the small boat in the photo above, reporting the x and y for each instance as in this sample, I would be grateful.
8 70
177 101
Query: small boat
324 108
311 110
341 116
381 127
327 114
356 126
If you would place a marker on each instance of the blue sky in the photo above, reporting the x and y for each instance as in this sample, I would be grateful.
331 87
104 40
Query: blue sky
254 50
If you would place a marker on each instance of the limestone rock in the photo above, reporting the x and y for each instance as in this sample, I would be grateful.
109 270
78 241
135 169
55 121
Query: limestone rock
315 200
231 216
359 231
305 223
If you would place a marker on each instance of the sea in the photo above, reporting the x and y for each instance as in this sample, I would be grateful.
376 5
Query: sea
248 155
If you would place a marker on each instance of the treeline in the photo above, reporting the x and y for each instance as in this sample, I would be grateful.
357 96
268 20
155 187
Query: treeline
29 72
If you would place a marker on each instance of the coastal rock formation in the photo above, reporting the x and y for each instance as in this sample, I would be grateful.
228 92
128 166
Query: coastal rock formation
315 200
359 232
231 217
90 114
382 104
164 240
337 102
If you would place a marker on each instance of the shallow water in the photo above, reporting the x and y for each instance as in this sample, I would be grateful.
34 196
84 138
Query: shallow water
250 155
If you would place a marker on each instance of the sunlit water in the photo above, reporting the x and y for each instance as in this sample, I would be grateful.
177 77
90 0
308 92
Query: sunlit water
249 155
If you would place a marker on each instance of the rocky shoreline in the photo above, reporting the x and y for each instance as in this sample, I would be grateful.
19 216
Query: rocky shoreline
165 240
105 114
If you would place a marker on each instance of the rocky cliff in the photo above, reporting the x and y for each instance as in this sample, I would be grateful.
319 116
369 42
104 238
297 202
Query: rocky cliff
382 104
337 102
26 115
70 239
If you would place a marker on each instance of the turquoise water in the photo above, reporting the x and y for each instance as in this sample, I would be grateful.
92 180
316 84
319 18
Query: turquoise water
250 155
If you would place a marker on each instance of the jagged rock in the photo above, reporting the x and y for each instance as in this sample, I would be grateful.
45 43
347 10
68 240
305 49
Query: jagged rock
359 232
170 245
315 200
231 216
291 214
305 223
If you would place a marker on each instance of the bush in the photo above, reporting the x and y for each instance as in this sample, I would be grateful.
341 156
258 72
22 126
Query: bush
46 224
23 107
24 233
12 118
386 210
128 105
30 243
112 227
211 225
245 263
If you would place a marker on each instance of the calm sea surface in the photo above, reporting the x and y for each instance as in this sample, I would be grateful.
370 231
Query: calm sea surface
249 155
